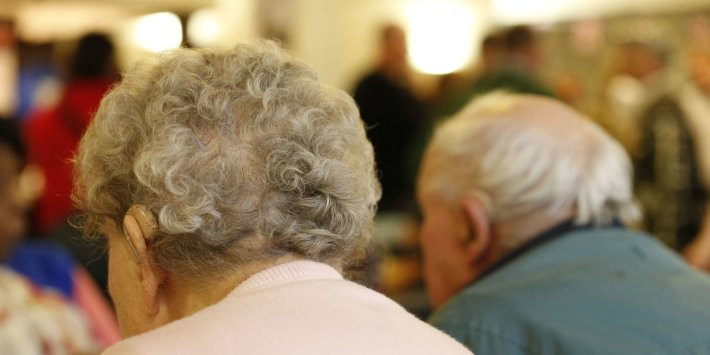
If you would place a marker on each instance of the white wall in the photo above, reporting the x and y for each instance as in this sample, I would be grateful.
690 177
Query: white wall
339 38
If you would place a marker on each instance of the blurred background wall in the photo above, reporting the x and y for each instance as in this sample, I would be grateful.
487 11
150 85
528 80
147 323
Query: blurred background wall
335 36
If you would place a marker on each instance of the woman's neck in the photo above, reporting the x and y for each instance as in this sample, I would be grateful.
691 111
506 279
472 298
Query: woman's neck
186 297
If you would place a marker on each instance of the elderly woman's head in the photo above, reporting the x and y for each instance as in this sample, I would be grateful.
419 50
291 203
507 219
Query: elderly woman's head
210 161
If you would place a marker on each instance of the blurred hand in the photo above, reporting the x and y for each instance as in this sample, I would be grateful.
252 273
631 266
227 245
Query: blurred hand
697 253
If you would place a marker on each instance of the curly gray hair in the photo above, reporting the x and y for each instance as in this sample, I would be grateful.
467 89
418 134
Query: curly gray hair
240 153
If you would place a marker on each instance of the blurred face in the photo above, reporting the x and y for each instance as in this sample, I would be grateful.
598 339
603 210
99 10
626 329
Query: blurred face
7 37
492 56
124 284
395 46
641 61
12 212
699 64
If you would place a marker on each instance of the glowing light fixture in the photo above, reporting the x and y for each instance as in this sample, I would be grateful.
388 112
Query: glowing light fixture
440 35
158 32
203 27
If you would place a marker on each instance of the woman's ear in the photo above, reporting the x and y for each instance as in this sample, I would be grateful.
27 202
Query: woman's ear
152 276
479 227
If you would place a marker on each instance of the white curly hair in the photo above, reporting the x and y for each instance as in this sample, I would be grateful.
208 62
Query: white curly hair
241 154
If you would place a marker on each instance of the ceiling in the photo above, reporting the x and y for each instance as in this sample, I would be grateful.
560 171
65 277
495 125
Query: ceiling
505 10
549 11
9 7
43 19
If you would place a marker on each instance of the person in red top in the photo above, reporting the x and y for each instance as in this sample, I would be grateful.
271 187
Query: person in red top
52 135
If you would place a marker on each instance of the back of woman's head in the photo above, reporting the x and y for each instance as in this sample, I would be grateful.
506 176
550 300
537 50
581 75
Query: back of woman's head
241 155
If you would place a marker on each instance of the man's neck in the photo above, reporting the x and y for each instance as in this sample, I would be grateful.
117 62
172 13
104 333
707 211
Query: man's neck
516 232
513 235
552 232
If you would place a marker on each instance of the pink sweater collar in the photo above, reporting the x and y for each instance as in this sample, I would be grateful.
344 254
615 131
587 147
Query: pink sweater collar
301 270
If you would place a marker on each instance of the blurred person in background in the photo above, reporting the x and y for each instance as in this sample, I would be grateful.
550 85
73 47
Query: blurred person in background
48 304
525 251
638 83
520 64
393 115
394 118
12 161
40 82
673 166
234 190
38 322
493 51
52 135
510 61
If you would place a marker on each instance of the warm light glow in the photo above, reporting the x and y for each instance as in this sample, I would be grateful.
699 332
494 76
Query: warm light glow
203 28
440 35
158 32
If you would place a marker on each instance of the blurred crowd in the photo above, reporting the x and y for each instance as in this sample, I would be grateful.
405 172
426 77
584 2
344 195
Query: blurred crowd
651 96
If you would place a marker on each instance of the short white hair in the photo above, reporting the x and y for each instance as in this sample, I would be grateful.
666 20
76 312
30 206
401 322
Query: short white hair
240 153
522 155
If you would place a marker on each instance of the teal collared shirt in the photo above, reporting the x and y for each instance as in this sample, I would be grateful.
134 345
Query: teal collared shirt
585 291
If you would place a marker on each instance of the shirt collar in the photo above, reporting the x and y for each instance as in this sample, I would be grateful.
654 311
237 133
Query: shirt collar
563 229
300 270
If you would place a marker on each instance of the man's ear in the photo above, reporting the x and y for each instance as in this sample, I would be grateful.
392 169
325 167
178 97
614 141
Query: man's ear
152 276
478 226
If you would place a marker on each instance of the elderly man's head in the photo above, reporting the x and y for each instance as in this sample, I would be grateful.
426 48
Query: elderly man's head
506 168
213 160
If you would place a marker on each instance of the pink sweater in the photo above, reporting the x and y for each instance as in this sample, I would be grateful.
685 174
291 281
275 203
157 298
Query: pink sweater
301 307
